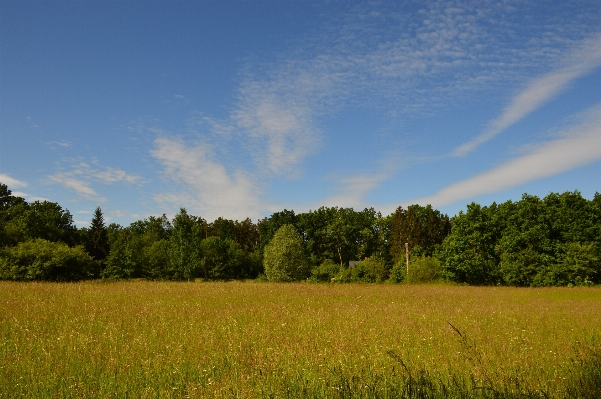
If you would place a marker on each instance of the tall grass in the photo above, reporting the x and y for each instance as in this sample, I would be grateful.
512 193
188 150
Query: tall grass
251 340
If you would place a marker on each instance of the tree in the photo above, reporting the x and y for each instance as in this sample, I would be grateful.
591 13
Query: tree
222 228
269 226
186 252
97 243
340 234
45 220
468 253
422 227
247 235
223 259
285 258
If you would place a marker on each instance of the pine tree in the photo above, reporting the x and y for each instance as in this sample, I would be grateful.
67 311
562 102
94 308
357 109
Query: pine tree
98 240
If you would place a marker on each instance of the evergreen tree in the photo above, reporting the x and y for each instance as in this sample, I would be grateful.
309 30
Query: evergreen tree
97 244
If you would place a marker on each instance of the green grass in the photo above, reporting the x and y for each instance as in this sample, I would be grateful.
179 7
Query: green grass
251 340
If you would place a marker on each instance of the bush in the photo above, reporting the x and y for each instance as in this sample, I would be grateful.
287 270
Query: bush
398 274
370 270
424 270
326 272
284 257
41 260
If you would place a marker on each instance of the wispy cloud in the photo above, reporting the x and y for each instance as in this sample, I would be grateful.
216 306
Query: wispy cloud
11 182
281 131
61 143
578 146
410 59
407 59
204 185
81 175
580 61
80 187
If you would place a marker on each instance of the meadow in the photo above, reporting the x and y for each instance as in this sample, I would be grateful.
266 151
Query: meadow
254 340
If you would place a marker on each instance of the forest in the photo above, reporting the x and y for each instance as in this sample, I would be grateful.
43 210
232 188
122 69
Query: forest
553 241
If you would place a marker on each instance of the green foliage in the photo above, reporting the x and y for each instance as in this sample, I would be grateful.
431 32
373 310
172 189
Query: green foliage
343 234
398 273
284 258
326 272
42 260
424 269
186 250
418 226
97 243
267 227
532 242
223 260
578 264
127 258
370 270
158 260
468 253
246 234
46 220
222 228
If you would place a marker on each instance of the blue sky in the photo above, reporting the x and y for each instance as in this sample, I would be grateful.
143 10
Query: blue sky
241 109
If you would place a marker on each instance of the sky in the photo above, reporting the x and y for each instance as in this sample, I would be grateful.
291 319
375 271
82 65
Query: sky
240 109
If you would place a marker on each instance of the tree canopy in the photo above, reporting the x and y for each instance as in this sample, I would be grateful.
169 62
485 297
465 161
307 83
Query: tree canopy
551 241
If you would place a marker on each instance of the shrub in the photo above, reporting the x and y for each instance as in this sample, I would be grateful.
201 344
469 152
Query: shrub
45 261
398 274
423 270
370 270
326 272
284 257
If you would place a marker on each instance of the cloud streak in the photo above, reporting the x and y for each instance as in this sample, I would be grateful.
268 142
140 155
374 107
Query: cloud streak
81 188
582 60
11 182
81 175
578 146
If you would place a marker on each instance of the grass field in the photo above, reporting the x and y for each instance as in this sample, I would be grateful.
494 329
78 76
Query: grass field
250 339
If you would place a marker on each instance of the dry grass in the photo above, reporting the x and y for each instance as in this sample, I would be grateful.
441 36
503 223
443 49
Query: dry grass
247 339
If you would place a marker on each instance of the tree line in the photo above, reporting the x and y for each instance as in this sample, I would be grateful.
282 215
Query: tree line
532 242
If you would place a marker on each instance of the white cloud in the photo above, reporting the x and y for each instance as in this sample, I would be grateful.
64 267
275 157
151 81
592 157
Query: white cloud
107 175
205 187
11 182
581 60
281 131
402 58
578 146
80 187
81 175
61 143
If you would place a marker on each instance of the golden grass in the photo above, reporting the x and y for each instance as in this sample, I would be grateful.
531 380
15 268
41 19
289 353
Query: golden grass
249 339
